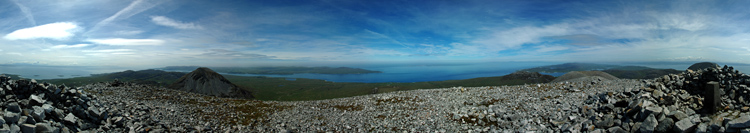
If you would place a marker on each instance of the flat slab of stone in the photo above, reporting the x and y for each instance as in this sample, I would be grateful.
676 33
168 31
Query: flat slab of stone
684 126
741 122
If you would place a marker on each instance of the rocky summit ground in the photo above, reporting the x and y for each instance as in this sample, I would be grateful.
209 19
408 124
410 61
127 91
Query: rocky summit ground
672 103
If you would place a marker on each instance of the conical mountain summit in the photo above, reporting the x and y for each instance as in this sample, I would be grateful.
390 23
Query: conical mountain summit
205 81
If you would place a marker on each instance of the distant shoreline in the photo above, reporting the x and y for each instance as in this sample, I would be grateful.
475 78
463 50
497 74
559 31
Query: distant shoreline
280 70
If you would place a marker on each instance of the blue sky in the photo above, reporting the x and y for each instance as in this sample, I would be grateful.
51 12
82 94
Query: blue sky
241 33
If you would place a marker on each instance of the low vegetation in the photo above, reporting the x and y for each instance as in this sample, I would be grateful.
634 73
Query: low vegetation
282 89
622 72
278 70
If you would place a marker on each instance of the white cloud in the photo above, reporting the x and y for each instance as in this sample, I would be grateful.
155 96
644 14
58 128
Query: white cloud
459 49
513 38
692 22
161 20
57 31
543 48
107 50
15 53
134 8
128 32
69 46
126 42
26 12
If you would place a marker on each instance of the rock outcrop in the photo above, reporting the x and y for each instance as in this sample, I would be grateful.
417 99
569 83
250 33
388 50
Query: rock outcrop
206 81
702 65
676 103
42 107
530 76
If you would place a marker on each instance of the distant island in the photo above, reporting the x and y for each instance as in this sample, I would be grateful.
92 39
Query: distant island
623 72
281 70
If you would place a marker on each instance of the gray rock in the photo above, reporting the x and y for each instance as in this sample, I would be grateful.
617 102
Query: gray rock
702 128
655 110
70 119
14 128
635 126
679 115
13 107
38 113
43 128
28 128
119 121
648 125
616 130
606 122
5 128
689 111
665 125
741 122
48 108
36 100
11 117
684 126
26 120
94 112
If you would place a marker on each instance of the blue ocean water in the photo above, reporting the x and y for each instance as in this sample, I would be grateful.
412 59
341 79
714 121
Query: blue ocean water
55 72
420 73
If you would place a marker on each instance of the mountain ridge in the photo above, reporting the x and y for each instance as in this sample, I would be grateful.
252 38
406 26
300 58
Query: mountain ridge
623 72
206 81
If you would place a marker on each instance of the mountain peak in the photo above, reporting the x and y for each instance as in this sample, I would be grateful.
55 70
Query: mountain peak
206 81
703 65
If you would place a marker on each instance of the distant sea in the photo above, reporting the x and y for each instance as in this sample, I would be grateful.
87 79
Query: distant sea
420 73
391 73
55 72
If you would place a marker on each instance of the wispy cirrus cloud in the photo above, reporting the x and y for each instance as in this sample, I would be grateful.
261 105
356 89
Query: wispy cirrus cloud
26 12
230 54
107 50
57 31
126 42
161 20
70 46
134 8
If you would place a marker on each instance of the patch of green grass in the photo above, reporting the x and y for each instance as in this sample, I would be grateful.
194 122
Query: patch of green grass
281 70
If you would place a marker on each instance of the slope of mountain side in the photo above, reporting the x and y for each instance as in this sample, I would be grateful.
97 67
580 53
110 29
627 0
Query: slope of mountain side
150 77
567 67
623 72
531 77
206 81
281 70
578 75
641 74
703 65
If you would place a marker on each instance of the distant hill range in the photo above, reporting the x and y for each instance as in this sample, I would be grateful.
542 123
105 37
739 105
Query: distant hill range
149 77
205 81
281 70
623 72
279 88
